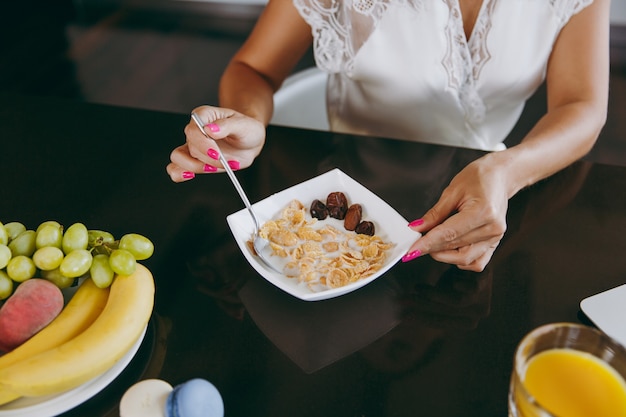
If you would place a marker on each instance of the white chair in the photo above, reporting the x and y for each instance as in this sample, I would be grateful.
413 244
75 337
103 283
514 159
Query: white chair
301 101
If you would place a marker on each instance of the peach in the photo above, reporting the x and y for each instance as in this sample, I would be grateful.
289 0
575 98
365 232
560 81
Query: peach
33 305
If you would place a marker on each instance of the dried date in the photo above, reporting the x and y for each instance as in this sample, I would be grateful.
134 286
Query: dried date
353 217
319 210
365 228
337 205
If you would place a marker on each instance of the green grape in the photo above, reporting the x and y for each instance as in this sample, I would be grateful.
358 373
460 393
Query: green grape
13 229
76 263
122 262
48 258
101 272
57 278
75 237
5 255
99 237
140 246
21 268
49 234
4 235
24 243
6 286
49 223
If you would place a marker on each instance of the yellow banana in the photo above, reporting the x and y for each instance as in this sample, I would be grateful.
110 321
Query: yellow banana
96 349
81 311
7 397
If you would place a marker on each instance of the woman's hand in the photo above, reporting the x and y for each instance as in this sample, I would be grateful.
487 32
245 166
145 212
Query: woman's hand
466 225
239 137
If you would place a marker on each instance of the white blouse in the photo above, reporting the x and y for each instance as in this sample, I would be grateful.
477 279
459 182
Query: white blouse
404 68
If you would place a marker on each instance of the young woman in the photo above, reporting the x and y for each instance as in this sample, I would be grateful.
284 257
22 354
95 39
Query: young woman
454 72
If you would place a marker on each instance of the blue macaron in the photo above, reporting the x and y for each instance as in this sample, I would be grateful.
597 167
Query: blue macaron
194 398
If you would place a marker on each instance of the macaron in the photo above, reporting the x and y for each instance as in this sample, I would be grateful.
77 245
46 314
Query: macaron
194 398
146 398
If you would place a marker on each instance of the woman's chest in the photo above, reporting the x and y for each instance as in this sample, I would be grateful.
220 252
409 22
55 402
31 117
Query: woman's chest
428 50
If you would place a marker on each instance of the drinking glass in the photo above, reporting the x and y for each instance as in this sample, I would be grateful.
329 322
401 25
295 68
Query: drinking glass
568 370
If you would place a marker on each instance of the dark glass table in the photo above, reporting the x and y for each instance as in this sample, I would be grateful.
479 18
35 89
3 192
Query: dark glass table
424 339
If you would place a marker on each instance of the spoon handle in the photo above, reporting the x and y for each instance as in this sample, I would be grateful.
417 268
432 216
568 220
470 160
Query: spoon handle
230 173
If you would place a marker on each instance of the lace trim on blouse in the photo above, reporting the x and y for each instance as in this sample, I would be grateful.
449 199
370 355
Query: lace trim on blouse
465 59
341 27
565 9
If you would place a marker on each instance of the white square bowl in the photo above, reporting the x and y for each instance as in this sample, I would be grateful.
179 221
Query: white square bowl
389 224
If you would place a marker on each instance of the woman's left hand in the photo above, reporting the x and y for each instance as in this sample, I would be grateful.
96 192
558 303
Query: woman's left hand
466 225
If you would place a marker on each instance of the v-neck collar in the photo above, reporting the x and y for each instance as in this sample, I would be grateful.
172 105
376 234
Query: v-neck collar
455 9
472 51
465 58
474 23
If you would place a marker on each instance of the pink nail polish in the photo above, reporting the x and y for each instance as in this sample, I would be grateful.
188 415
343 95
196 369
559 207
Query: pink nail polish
213 127
188 175
417 222
209 168
213 153
411 255
234 164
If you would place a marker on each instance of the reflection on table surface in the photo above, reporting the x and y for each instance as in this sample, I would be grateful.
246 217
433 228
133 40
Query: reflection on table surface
424 339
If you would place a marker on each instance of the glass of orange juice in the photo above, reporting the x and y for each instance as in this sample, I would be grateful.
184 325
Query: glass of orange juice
568 370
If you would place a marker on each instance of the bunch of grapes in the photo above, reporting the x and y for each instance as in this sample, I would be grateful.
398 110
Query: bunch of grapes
64 255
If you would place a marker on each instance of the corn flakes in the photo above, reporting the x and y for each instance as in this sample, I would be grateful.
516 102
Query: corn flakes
319 255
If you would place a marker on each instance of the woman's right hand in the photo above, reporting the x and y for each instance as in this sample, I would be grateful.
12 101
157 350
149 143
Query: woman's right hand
239 137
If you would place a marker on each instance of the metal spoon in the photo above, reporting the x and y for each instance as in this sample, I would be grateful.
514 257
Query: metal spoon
260 244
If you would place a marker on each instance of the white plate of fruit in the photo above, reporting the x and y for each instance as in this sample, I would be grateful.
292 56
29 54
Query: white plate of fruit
75 308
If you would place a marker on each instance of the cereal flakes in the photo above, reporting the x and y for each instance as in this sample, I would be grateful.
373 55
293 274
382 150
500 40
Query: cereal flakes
320 255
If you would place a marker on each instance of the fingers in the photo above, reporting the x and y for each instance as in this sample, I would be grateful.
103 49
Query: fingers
184 167
211 114
240 138
466 239
472 257
471 251
231 127
203 150
438 213
178 174
451 236
462 229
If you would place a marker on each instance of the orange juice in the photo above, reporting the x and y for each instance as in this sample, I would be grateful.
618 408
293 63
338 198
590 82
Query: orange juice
570 383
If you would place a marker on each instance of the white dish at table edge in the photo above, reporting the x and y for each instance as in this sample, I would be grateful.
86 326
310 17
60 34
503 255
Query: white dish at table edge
52 405
390 226
607 310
